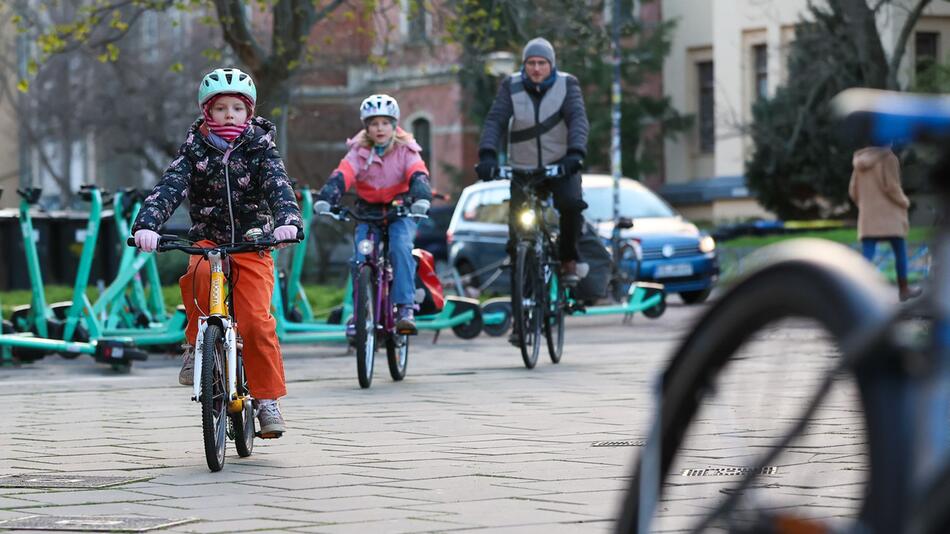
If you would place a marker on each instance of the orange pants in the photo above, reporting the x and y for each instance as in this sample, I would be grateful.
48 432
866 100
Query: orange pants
254 285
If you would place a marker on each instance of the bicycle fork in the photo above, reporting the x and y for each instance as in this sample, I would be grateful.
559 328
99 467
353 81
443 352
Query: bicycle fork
218 314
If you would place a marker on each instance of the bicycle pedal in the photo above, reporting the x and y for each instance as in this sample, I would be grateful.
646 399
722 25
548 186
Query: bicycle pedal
408 331
269 435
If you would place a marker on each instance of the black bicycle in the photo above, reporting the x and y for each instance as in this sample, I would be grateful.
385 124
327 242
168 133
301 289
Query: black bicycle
539 300
878 450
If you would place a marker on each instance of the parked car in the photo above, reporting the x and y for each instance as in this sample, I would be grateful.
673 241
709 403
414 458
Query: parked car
674 251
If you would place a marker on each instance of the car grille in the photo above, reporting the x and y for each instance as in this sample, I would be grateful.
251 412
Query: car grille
681 251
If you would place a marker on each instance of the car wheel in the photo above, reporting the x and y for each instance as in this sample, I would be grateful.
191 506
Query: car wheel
695 297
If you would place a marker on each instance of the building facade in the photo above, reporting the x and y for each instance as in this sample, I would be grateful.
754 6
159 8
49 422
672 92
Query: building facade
9 132
404 56
728 53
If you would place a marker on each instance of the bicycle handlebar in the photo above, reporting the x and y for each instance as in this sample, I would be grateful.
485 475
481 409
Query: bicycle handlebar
173 242
539 174
346 214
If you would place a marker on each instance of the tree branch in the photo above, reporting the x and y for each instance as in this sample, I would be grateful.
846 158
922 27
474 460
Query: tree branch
900 46
237 33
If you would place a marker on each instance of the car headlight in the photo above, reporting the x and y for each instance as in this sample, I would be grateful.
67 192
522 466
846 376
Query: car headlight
707 244
526 218
365 247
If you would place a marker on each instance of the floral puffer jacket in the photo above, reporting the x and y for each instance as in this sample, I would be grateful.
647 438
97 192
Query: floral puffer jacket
229 193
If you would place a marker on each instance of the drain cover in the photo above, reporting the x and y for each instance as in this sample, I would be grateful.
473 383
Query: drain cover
620 443
61 480
728 471
91 524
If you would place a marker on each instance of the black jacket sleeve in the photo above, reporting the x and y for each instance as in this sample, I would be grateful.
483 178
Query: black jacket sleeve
575 115
496 122
278 191
166 195
419 187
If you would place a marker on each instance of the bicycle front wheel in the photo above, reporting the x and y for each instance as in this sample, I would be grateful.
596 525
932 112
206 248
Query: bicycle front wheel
214 406
242 423
554 317
698 472
525 295
365 318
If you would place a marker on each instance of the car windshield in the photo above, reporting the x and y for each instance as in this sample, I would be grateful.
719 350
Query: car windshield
634 203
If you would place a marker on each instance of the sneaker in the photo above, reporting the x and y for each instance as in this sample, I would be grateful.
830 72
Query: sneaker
186 376
569 276
406 321
270 420
515 339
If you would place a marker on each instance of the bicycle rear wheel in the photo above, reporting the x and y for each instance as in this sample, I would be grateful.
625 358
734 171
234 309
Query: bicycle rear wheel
525 295
213 397
365 318
554 316
824 283
242 423
397 354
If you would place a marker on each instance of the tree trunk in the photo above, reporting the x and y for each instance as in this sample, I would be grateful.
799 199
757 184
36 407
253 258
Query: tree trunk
861 24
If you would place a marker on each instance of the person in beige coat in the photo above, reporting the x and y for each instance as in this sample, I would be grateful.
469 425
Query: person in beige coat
882 208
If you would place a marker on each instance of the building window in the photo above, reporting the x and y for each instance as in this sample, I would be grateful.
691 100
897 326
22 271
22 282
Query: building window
925 50
707 119
760 62
422 131
416 21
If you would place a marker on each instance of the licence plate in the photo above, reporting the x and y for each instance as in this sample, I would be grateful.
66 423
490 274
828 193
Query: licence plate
673 269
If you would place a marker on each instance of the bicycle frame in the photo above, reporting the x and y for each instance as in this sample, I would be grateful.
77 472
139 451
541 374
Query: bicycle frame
218 314
378 261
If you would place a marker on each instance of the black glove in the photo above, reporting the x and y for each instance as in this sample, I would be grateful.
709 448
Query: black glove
485 169
573 163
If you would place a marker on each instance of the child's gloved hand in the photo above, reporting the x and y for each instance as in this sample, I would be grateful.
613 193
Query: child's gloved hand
321 206
420 207
146 240
287 231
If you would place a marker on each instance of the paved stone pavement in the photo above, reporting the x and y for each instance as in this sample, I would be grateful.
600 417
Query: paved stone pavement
470 440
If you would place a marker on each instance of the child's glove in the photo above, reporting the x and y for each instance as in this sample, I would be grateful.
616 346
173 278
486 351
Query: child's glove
281 233
321 206
146 240
287 231
420 207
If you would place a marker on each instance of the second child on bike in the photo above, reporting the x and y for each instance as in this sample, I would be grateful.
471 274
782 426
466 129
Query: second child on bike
384 162
230 171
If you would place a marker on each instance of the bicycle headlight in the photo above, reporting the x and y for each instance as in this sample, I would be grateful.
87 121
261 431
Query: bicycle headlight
707 244
526 218
365 247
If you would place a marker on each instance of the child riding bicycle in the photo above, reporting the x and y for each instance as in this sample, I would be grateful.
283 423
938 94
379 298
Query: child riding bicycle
385 164
230 171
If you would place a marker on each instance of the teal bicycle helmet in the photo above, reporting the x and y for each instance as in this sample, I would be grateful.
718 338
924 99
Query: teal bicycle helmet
228 80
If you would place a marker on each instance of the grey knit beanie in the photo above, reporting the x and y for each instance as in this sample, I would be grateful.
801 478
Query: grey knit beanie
538 47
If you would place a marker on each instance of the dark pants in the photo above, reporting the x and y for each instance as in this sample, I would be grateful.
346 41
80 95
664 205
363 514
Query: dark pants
569 201
869 247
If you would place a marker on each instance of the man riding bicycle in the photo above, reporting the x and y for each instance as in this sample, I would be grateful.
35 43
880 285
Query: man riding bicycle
548 126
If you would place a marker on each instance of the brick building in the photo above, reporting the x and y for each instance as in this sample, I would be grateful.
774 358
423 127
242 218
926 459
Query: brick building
402 55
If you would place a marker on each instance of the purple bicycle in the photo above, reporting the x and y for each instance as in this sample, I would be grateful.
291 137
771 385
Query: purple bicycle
374 318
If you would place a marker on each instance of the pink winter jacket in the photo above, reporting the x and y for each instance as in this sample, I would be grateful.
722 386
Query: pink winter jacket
379 179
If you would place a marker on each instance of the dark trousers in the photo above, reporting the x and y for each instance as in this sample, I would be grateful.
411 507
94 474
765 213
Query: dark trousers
569 201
